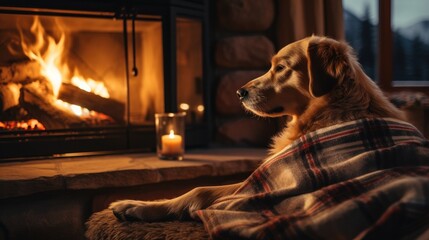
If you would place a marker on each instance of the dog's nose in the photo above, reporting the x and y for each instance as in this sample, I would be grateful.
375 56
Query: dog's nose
242 93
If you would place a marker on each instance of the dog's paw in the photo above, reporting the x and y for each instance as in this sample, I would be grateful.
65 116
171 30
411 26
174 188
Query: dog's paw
131 210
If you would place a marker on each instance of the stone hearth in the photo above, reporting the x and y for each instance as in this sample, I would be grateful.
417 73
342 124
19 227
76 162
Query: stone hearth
46 198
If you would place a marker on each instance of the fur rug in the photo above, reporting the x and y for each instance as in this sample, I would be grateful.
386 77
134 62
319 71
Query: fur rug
104 225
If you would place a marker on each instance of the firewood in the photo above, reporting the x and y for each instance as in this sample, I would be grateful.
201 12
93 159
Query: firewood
9 96
20 72
74 95
45 111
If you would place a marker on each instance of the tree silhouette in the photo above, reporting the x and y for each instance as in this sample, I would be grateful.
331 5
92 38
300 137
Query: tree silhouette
425 62
366 51
399 58
417 51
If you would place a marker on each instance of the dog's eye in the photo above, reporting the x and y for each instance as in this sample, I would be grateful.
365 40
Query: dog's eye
278 68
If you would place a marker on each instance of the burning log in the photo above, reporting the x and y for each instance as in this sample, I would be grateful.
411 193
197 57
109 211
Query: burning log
74 95
20 72
44 109
9 96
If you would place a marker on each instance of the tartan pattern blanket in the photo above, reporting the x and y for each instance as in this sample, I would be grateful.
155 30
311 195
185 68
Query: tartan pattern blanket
365 179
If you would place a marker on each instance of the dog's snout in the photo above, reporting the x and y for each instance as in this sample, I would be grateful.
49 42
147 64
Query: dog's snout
242 93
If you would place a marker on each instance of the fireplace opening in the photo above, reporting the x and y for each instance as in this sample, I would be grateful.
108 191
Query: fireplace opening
80 83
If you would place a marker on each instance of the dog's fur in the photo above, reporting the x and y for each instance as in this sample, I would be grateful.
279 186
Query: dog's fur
316 81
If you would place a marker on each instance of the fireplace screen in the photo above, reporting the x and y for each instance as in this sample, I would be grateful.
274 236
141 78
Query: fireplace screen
72 83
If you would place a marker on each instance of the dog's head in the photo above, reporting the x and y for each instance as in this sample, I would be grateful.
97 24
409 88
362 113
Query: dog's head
301 71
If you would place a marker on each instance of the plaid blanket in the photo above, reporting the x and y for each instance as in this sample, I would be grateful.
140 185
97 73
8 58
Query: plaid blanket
362 179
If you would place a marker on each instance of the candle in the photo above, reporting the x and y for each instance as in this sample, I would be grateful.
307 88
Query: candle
170 135
171 144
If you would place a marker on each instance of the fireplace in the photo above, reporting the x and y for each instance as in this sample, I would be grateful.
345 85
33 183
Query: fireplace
87 77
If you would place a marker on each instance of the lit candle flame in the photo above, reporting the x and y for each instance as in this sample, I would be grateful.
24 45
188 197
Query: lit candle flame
171 135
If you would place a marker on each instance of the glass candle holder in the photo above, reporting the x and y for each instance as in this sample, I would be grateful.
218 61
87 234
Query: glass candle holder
170 135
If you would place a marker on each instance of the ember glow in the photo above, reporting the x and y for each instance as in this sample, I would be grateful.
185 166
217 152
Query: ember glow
82 112
31 124
77 110
90 85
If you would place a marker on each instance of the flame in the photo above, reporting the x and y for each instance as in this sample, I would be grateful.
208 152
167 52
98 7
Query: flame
171 135
50 58
77 110
49 53
90 85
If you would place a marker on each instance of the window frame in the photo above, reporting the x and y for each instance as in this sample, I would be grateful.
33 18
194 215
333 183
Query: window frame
385 51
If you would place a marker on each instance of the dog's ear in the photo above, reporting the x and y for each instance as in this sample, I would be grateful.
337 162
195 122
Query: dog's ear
327 63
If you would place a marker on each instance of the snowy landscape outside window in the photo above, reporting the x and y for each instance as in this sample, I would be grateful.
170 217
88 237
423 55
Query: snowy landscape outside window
410 37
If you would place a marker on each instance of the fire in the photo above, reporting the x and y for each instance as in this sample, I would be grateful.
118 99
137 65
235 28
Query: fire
50 59
90 85
77 110
49 53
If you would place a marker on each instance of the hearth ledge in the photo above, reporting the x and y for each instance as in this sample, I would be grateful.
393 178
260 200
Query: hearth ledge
97 172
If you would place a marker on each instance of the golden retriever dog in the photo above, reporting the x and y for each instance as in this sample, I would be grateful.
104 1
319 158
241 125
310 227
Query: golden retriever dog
316 81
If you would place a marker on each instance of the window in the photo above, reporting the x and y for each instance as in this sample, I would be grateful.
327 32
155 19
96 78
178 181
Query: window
391 39
410 26
360 21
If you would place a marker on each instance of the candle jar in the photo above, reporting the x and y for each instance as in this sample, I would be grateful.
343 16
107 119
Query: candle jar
170 135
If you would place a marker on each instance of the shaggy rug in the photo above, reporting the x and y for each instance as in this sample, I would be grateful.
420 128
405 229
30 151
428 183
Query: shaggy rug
104 225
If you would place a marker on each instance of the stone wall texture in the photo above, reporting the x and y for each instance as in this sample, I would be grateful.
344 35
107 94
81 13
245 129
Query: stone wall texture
245 15
226 98
243 51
